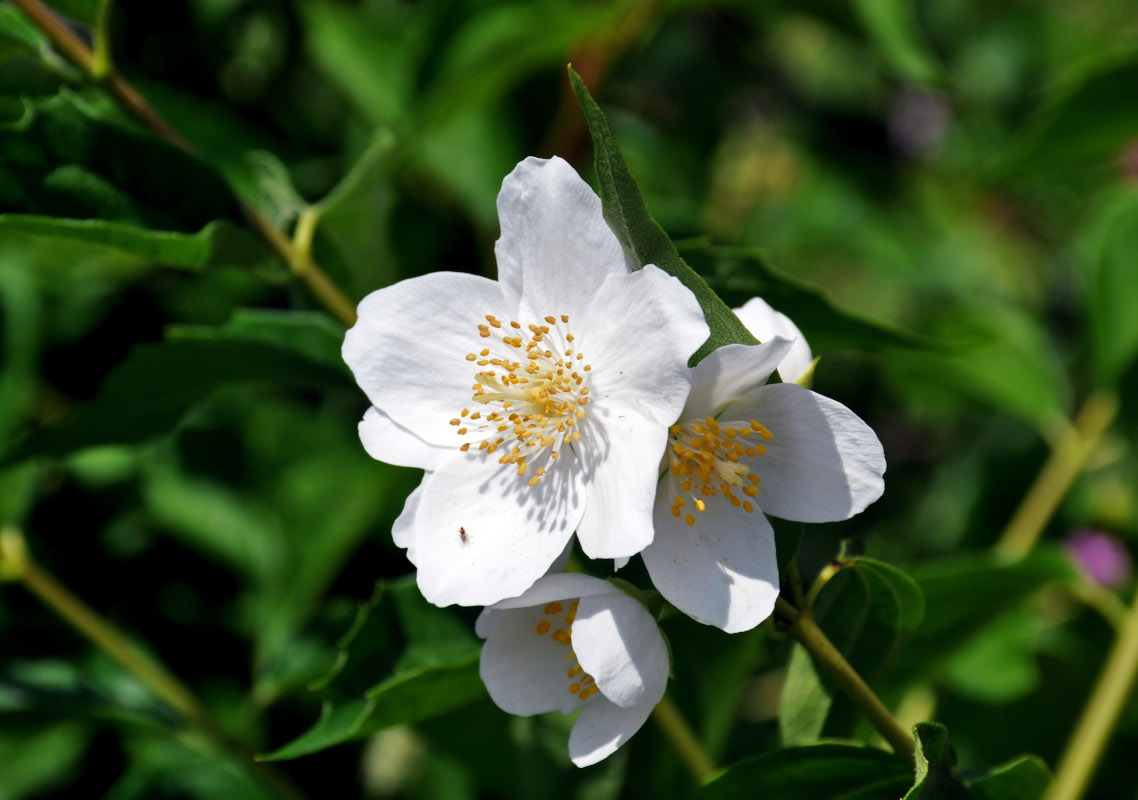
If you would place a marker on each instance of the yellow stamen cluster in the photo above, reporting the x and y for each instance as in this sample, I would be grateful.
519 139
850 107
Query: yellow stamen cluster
705 459
536 390
581 683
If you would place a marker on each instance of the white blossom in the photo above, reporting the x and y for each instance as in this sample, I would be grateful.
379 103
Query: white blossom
742 449
573 642
539 404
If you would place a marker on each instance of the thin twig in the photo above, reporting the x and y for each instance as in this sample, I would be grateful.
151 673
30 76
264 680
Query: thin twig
1067 460
1100 715
17 565
806 632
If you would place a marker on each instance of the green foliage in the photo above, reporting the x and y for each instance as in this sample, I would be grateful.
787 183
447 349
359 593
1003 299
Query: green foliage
1023 778
936 766
425 659
1109 245
839 771
147 394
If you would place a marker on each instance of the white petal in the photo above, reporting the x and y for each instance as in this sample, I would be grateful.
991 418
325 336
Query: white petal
555 249
602 728
640 332
824 464
621 457
403 527
408 349
722 570
525 672
482 534
765 323
618 643
729 373
385 440
560 586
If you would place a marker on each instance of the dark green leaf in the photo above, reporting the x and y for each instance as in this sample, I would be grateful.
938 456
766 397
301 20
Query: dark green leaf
425 658
747 272
148 393
66 159
218 244
1023 778
897 599
936 766
832 771
965 594
310 334
643 239
1112 292
1059 138
787 538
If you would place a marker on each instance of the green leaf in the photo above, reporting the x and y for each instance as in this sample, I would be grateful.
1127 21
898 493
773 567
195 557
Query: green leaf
1080 126
426 660
642 238
787 539
804 703
311 334
218 244
832 771
147 394
66 159
936 766
38 757
1023 778
964 595
897 599
1109 244
864 610
894 27
746 271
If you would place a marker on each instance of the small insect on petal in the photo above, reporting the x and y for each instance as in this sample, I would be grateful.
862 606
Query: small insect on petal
462 535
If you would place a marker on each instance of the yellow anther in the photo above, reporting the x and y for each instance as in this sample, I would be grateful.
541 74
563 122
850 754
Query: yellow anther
676 512
553 608
465 447
471 357
575 671
462 431
700 505
515 325
747 506
564 317
690 519
574 688
543 627
456 421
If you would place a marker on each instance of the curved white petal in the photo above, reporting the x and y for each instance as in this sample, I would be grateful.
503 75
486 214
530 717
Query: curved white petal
555 249
482 534
525 672
618 643
729 373
722 570
621 460
765 323
385 440
602 728
559 586
408 349
824 464
402 530
639 334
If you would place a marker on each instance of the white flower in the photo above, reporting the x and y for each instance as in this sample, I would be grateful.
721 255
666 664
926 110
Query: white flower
765 323
538 404
575 642
741 449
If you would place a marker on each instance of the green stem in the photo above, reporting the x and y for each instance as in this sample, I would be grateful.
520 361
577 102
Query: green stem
102 65
824 576
679 734
1101 713
1077 444
71 46
803 629
16 565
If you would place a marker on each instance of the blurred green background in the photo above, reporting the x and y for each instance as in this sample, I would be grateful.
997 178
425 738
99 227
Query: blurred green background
950 172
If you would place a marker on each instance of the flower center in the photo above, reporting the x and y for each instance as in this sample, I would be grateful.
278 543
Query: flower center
705 460
581 683
534 391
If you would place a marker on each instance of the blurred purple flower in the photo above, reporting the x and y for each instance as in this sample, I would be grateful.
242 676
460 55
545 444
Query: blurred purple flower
1101 557
918 122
